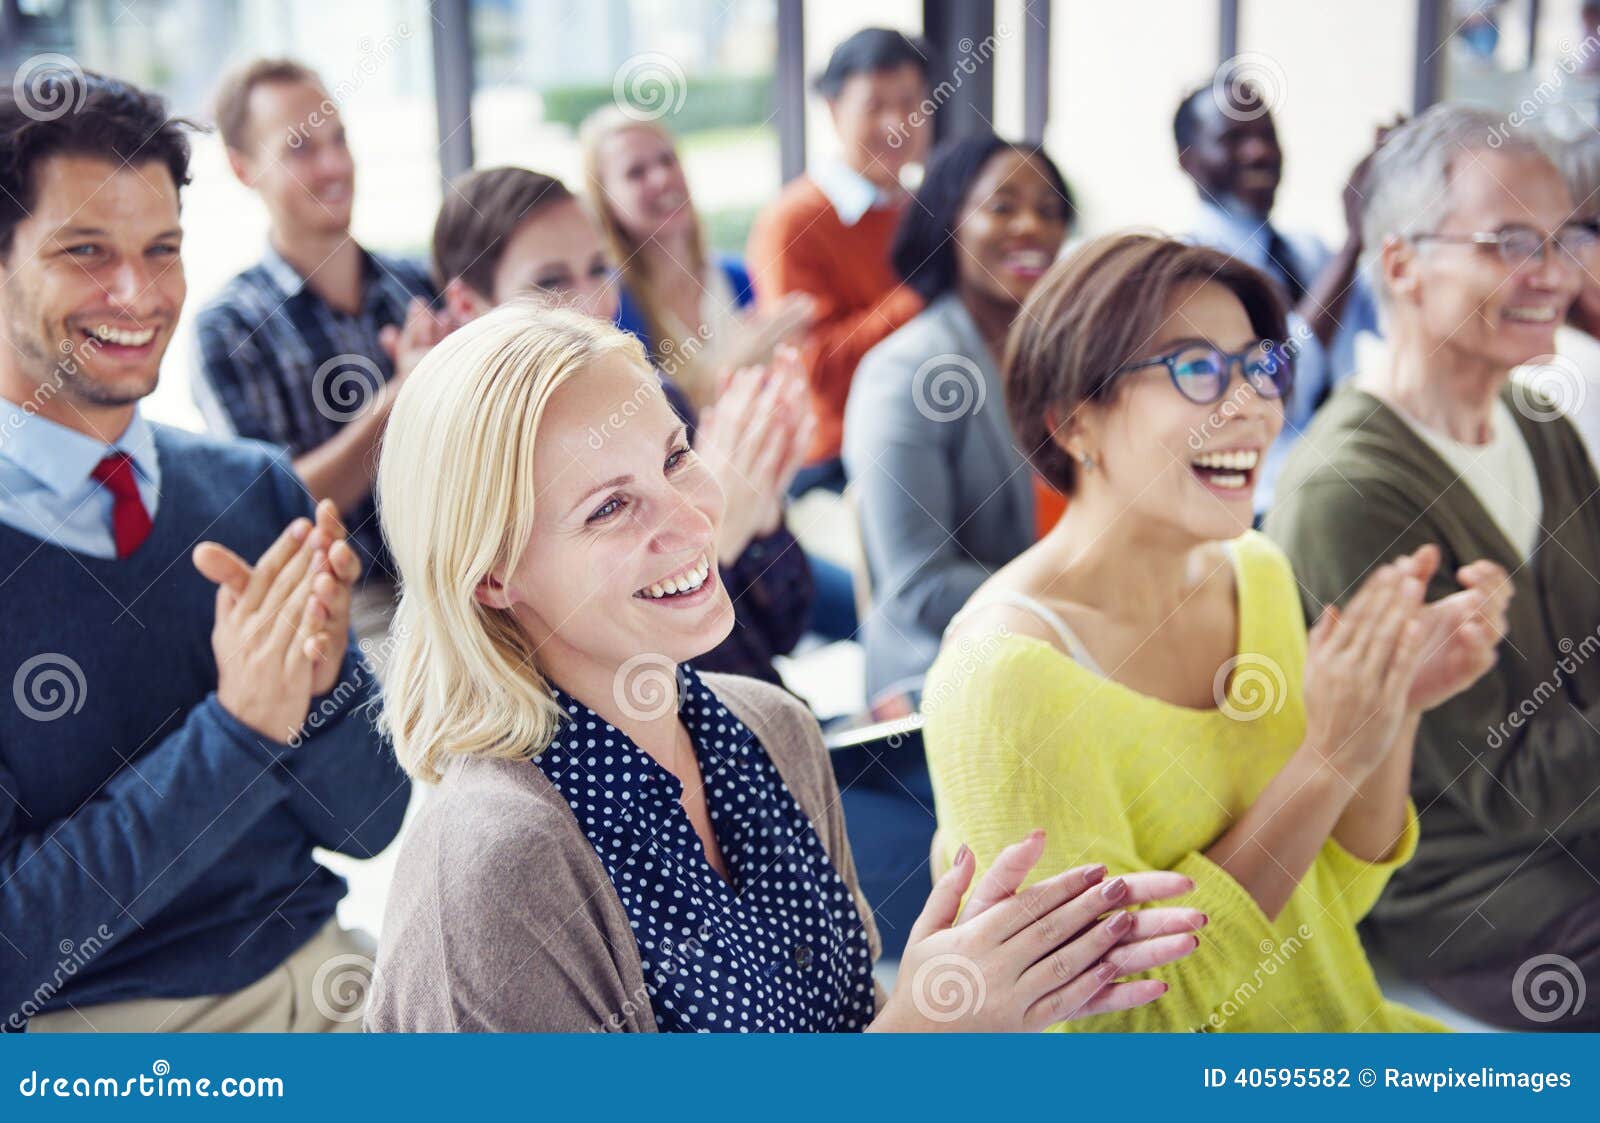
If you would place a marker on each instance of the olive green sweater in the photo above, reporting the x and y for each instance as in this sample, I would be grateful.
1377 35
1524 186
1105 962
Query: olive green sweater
1507 774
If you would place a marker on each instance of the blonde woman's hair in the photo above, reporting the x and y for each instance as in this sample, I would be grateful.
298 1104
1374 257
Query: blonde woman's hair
456 495
671 346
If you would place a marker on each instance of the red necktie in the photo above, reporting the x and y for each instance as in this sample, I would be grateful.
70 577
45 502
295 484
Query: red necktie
130 522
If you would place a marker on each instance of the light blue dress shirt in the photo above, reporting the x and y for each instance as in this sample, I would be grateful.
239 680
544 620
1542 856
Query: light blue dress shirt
46 489
1318 369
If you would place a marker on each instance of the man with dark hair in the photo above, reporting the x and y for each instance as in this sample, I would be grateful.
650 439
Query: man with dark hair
1228 147
171 749
298 349
828 233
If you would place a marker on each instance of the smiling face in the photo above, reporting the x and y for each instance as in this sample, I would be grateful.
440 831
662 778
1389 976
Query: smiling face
297 158
1010 228
557 252
1234 158
622 560
880 125
94 273
1468 303
644 184
1168 462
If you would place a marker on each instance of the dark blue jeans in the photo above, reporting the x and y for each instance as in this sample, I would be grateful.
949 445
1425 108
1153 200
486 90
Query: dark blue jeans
888 806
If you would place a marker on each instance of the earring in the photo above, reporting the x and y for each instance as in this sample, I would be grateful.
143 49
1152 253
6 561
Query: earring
1087 462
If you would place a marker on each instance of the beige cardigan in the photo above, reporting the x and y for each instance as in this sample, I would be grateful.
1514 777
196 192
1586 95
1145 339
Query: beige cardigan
501 917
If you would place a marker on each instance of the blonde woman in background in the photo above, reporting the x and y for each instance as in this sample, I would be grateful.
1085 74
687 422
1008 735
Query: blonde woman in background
693 310
616 841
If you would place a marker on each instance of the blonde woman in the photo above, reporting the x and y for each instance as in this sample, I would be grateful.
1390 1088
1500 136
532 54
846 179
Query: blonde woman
617 842
693 310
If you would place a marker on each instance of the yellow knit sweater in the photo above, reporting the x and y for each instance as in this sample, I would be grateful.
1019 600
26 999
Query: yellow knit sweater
1020 736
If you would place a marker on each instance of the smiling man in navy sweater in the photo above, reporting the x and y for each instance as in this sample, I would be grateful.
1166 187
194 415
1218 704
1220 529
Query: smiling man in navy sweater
175 735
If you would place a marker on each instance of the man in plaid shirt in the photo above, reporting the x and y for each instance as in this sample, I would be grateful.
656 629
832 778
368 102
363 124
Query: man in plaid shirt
304 349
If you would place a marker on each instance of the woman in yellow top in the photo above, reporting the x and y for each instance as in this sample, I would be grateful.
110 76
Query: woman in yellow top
1133 683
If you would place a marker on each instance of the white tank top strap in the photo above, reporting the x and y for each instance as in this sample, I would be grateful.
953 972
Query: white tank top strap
1069 639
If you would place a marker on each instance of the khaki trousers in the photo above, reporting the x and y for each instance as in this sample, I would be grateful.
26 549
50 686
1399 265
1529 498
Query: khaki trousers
322 988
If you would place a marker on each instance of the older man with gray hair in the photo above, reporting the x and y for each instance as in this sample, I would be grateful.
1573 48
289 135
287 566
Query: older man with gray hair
1469 237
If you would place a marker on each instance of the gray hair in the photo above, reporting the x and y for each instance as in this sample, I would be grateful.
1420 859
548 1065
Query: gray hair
1408 181
1579 163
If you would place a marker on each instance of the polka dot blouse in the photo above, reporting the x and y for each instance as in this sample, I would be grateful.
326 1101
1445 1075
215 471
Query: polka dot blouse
779 947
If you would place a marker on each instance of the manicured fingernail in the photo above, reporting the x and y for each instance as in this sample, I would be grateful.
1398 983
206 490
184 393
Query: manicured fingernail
1204 920
1038 833
1093 874
1121 923
963 854
1115 889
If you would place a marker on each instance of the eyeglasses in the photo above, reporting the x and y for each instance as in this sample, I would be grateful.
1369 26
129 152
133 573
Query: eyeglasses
1518 245
1201 373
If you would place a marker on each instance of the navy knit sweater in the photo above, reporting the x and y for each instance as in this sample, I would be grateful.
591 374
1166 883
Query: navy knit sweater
150 844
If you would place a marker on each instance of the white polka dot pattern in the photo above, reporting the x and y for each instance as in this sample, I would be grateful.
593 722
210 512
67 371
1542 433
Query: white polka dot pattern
780 948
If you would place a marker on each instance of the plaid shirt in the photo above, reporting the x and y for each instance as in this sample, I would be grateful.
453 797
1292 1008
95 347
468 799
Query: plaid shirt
279 364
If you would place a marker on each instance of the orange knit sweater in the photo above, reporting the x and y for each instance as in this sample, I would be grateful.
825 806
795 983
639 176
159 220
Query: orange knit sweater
799 244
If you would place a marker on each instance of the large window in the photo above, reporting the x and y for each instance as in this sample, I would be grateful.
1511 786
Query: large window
704 67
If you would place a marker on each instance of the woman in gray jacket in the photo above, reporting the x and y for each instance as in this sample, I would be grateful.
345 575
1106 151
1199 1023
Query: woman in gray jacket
944 496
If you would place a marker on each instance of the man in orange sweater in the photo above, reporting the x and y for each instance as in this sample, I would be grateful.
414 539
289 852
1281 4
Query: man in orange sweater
828 233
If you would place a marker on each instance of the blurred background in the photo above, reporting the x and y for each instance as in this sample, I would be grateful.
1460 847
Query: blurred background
428 89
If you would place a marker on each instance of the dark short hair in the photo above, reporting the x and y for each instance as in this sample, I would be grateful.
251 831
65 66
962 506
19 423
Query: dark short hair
923 252
1097 310
232 105
68 112
481 211
1186 121
868 51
